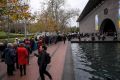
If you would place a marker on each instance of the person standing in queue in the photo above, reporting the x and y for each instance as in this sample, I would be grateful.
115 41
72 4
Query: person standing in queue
64 38
9 58
40 43
22 58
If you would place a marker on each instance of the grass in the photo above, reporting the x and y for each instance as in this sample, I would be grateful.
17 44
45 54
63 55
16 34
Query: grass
12 36
2 33
11 40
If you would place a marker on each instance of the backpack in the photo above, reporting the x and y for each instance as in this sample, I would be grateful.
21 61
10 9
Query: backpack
48 58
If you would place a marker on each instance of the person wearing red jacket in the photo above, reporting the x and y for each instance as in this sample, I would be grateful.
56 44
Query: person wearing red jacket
22 58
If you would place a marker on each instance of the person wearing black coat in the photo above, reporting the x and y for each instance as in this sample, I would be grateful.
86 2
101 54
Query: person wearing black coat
9 58
43 64
64 38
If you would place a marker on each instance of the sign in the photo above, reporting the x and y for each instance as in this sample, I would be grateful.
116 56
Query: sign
105 11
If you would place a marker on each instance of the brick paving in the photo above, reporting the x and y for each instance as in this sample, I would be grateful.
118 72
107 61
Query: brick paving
57 51
57 63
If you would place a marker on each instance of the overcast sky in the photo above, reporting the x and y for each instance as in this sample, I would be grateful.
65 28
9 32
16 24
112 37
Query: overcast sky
80 4
76 4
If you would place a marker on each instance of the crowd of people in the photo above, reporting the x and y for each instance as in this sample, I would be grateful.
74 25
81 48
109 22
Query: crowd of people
96 36
16 55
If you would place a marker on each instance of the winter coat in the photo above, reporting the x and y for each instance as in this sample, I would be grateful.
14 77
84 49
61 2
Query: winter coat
22 55
9 56
40 43
41 58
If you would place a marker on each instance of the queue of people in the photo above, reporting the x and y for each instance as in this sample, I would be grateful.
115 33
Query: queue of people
94 36
16 55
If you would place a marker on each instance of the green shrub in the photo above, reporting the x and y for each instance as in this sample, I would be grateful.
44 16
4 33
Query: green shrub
3 35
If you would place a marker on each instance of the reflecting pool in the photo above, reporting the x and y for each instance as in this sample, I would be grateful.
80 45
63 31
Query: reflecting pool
96 61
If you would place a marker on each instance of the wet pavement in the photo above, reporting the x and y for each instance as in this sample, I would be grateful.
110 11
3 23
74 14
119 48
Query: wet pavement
56 66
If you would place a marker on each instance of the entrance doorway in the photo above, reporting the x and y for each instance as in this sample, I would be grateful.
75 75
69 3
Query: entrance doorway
108 27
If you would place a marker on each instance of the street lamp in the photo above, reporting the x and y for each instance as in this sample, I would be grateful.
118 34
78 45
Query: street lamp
8 31
25 27
9 7
25 21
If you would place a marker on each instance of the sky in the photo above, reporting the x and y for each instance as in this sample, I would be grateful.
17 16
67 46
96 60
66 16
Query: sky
76 4
79 4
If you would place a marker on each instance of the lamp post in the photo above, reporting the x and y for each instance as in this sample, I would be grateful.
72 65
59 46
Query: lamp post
25 3
8 30
9 7
25 28
8 27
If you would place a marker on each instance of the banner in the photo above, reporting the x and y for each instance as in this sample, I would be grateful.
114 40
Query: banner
119 15
96 23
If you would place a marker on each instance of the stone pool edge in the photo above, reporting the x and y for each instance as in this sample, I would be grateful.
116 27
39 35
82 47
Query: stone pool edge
68 72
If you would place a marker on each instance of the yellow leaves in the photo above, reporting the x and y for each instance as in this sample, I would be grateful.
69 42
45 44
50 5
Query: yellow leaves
17 8
16 11
12 1
52 24
20 16
44 24
14 17
26 14
2 3
37 27
26 7
19 12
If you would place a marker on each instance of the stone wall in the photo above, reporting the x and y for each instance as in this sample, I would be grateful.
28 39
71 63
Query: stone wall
87 25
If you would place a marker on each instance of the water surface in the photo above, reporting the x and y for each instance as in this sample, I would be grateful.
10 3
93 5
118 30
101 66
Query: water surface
96 61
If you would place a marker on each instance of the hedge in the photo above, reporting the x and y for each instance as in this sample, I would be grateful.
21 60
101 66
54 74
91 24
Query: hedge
14 36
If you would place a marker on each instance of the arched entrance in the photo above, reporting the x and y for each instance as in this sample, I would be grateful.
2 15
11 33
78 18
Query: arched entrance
108 27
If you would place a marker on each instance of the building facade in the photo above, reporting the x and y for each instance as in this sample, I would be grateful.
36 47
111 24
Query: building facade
100 16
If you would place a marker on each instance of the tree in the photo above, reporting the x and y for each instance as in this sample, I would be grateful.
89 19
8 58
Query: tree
14 12
54 6
72 29
54 17
60 15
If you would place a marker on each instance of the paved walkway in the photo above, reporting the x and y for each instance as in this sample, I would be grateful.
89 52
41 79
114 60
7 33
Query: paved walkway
56 66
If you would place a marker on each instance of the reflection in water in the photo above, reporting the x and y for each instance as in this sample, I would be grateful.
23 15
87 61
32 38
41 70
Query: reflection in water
96 61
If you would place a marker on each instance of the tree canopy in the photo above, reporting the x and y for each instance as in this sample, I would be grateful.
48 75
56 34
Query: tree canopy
55 17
